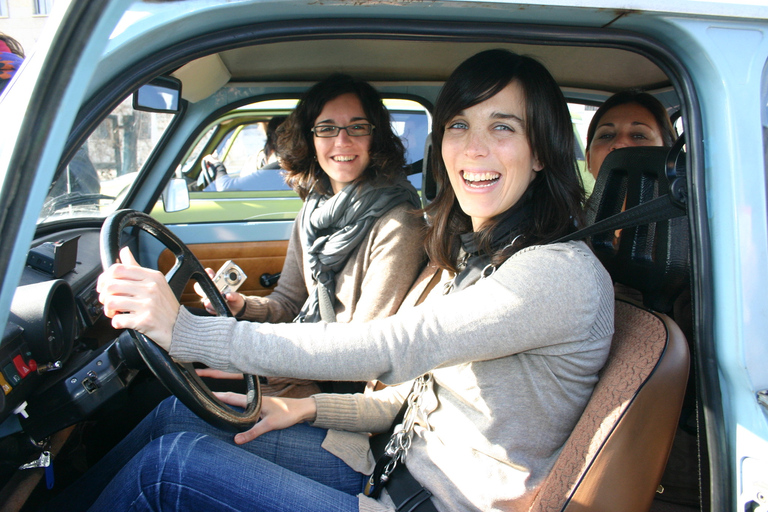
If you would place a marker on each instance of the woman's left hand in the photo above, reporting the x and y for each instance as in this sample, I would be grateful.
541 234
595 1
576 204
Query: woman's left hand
138 298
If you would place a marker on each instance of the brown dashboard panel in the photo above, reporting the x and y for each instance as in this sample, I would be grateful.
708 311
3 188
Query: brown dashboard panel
255 258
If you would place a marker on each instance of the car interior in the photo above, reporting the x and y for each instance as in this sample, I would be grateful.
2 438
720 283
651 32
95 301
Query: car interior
74 385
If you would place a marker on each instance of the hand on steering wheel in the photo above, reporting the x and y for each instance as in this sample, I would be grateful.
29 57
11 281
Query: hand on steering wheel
180 379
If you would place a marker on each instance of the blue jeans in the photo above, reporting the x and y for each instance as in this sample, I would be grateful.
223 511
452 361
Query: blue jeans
175 461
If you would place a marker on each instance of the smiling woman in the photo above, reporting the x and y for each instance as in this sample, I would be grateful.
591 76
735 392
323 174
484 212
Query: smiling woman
471 444
486 147
627 119
343 140
354 249
702 59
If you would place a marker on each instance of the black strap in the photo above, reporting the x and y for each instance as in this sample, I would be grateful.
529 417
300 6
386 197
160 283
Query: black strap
661 208
406 492
668 206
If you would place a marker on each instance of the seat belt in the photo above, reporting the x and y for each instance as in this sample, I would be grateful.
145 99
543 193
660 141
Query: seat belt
668 206
661 208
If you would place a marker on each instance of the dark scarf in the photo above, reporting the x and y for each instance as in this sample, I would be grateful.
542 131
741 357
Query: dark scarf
331 228
473 262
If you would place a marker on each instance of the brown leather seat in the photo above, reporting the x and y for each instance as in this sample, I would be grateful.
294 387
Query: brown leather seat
614 459
616 454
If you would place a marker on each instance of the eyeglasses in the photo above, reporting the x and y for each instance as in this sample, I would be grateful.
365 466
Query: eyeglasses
353 130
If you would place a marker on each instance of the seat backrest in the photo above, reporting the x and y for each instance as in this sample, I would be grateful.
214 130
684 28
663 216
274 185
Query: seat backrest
615 457
651 258
617 452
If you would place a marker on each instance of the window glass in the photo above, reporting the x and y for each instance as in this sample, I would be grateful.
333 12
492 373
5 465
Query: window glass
581 116
764 104
252 190
3 8
103 169
195 155
42 7
239 156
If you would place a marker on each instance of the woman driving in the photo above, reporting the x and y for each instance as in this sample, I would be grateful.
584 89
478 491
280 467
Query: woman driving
497 364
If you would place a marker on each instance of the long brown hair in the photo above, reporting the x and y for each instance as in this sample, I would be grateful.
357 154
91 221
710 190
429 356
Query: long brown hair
296 147
557 194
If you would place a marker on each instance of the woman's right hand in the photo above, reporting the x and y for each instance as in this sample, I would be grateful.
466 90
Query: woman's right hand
276 413
235 301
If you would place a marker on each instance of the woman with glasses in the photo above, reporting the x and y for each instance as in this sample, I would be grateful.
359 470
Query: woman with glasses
356 243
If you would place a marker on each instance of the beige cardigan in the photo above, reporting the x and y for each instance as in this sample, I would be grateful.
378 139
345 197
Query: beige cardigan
372 284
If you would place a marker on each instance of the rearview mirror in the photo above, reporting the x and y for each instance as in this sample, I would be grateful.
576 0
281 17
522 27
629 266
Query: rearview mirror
162 94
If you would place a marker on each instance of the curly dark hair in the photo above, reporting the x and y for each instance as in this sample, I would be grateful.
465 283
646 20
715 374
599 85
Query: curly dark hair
270 146
557 191
295 143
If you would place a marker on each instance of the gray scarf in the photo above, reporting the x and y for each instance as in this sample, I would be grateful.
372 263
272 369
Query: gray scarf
332 227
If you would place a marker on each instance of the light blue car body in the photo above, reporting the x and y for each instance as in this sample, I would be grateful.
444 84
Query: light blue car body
721 50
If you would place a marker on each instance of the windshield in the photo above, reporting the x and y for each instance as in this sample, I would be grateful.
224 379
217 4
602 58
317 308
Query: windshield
103 170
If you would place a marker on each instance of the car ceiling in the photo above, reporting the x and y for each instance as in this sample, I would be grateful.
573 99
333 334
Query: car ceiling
580 67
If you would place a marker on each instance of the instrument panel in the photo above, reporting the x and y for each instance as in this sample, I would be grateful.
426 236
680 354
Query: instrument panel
50 318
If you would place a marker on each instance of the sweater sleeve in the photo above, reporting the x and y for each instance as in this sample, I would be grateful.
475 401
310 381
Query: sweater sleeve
285 301
543 298
360 412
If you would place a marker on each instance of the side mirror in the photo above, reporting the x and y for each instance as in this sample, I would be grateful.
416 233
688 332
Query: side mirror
163 94
176 195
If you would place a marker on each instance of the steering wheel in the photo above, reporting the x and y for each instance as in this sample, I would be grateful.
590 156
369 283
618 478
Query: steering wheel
180 379
207 174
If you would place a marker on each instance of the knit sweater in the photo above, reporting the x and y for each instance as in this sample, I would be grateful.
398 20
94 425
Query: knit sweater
514 358
372 284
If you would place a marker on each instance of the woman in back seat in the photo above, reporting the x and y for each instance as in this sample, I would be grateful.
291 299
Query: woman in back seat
627 119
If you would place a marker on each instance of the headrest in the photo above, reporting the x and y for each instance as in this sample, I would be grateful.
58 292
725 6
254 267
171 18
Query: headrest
652 258
428 184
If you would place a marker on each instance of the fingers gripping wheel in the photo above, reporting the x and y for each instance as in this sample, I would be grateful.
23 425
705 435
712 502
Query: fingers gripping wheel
180 379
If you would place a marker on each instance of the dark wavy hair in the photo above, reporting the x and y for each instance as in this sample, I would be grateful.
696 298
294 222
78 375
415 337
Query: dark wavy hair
556 193
270 146
296 146
645 100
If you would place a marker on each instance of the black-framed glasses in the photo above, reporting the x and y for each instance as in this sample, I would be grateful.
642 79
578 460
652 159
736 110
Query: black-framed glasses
353 130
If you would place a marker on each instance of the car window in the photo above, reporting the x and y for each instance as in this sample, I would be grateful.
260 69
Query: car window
237 152
102 170
412 124
581 116
257 192
197 151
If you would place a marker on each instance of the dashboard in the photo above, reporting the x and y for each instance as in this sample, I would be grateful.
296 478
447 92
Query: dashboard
59 356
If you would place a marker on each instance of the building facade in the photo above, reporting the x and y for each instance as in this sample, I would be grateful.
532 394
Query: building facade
24 20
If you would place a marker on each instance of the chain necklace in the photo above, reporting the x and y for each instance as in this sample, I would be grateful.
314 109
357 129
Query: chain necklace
400 442
401 439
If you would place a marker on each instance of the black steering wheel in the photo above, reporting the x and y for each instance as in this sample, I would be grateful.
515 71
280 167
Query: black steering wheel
180 379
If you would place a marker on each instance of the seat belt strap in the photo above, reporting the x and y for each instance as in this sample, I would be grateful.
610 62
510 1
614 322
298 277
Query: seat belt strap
655 210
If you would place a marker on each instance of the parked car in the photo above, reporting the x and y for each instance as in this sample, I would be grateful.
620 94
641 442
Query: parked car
72 117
